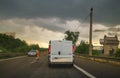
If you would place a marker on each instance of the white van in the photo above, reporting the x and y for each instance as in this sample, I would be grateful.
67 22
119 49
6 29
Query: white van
60 52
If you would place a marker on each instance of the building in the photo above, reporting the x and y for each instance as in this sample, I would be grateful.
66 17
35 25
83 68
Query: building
110 45
9 34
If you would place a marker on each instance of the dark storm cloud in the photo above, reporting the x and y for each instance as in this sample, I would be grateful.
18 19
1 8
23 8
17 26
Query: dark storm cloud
105 11
42 8
56 25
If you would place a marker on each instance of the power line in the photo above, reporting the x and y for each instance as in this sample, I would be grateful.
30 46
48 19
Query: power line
83 21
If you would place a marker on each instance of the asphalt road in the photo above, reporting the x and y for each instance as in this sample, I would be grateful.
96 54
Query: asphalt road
27 67
98 69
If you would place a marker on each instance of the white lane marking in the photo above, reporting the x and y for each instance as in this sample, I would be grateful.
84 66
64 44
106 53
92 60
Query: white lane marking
12 58
85 72
34 61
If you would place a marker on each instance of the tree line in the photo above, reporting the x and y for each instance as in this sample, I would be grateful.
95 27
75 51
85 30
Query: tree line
11 44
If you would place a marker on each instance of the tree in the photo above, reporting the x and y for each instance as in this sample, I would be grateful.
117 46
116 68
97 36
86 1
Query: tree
72 36
83 48
34 46
10 44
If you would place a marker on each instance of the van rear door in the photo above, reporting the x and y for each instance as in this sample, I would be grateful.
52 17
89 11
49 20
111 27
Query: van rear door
61 47
61 52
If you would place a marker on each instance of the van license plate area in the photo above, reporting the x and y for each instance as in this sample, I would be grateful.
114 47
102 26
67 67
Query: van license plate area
55 57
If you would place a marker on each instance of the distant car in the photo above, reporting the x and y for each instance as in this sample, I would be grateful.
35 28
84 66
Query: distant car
32 53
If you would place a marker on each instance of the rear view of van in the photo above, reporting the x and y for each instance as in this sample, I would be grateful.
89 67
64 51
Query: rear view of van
60 52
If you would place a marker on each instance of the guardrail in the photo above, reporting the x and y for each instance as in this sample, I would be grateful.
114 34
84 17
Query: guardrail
103 59
9 55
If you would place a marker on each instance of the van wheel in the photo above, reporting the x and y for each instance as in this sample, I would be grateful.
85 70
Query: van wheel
71 65
49 65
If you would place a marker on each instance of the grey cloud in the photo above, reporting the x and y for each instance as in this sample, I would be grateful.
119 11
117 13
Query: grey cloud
113 34
41 8
114 29
106 12
111 29
54 24
99 30
19 30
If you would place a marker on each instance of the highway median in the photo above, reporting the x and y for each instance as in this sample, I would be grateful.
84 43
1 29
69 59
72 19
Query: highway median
10 55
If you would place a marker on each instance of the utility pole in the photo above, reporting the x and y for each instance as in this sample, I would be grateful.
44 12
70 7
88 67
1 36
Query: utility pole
90 34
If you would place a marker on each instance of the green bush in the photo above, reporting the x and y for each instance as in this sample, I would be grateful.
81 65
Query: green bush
95 52
3 50
117 54
13 45
83 48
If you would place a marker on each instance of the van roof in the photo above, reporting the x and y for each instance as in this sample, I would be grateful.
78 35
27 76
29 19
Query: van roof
59 41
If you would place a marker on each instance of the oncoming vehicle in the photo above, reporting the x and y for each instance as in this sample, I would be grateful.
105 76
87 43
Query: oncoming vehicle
32 53
60 52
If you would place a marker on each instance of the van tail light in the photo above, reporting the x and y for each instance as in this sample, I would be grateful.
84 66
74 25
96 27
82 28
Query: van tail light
73 49
49 48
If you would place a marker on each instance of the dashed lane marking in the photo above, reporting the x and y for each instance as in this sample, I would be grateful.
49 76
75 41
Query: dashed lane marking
34 61
85 72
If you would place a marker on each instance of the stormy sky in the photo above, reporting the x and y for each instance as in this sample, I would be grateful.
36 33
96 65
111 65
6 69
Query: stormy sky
38 21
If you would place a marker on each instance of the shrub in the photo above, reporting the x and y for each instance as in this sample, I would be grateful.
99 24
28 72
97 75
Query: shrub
117 54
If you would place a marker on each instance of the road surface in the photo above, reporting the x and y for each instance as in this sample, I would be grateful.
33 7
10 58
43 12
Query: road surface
27 67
